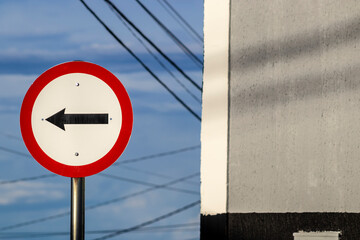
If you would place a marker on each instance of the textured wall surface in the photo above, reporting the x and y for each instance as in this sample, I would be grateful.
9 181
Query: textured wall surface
294 128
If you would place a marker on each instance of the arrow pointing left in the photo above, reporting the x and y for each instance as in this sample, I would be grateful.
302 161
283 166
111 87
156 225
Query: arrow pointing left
60 118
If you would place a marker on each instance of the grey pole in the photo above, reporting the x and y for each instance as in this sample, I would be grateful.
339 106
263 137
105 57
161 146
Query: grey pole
77 209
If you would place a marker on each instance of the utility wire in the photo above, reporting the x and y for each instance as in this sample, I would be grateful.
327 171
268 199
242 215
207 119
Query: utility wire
143 191
27 179
159 175
177 41
152 44
143 224
162 154
191 34
8 135
122 198
26 223
147 183
5 149
146 157
171 227
140 61
183 20
157 155
155 57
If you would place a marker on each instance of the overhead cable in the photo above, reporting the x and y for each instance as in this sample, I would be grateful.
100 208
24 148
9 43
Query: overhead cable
161 228
155 57
157 155
26 223
14 152
178 42
27 179
183 20
155 174
143 224
8 135
152 44
146 190
195 36
147 183
141 62
114 200
162 154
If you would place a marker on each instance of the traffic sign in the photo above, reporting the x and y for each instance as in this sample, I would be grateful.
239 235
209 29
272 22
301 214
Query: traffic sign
76 119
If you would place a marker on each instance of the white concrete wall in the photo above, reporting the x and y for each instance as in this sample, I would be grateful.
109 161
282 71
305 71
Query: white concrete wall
214 126
294 130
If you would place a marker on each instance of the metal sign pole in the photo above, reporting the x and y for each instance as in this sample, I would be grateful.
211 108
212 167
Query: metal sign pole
77 209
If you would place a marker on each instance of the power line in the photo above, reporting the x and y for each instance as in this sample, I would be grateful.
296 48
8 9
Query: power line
152 44
146 157
161 228
159 175
162 154
143 224
143 191
157 155
122 198
155 57
27 179
186 50
26 223
140 61
122 163
14 152
191 34
147 183
183 20
8 135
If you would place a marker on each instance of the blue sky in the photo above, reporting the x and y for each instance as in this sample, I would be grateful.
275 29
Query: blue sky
38 34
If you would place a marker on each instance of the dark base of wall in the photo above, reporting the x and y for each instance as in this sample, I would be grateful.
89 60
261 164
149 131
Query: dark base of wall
213 227
277 226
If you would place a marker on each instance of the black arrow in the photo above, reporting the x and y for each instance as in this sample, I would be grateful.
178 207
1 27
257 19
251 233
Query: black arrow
60 118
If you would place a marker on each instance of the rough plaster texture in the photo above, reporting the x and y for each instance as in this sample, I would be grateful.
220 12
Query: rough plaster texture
294 129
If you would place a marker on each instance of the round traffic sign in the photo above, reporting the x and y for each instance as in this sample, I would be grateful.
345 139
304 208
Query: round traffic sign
76 119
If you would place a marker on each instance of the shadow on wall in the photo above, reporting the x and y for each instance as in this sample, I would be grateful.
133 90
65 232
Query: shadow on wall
309 86
297 45
282 91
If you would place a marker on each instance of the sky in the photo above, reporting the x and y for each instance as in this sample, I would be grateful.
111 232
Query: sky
36 35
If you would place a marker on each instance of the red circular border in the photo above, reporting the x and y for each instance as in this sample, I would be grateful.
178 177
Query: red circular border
27 107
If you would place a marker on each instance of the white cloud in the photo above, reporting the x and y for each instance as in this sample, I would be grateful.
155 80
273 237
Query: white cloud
30 192
163 107
34 53
102 47
15 85
139 81
135 203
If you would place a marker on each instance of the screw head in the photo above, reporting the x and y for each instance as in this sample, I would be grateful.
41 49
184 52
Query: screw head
76 154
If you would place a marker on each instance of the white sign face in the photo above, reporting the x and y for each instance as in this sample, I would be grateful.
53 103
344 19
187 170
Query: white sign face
76 119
